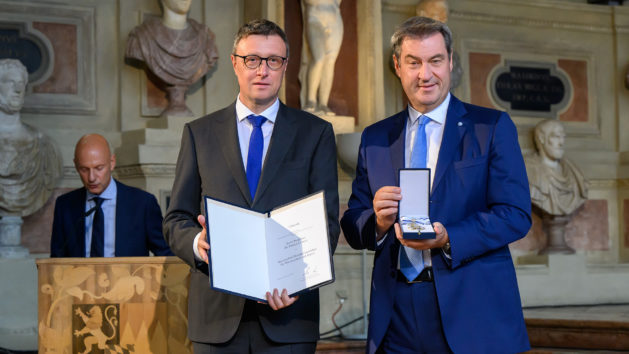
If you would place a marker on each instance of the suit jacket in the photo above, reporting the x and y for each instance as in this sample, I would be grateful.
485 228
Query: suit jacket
138 224
301 159
480 194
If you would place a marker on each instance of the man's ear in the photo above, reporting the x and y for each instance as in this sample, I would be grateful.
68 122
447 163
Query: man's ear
451 61
112 162
234 62
396 65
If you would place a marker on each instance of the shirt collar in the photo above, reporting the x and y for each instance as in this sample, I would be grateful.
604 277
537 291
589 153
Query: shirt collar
109 192
438 114
270 113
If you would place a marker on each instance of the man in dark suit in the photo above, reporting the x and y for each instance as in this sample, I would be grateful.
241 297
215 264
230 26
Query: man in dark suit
458 292
259 154
105 218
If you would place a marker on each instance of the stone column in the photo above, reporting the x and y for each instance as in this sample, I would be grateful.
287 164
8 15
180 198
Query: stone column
10 231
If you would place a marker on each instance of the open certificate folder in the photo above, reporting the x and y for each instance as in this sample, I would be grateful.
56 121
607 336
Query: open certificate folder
252 253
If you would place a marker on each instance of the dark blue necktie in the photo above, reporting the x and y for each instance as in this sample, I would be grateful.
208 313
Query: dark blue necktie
254 156
98 230
412 260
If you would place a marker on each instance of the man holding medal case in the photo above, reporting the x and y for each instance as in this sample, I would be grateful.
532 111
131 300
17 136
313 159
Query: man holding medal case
455 291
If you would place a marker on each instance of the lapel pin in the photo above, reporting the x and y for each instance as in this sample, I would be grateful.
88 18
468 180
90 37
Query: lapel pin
460 124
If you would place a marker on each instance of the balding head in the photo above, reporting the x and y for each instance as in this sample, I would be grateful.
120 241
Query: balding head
94 162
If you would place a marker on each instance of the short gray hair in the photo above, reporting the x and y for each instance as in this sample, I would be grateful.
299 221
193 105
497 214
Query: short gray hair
420 27
262 27
12 65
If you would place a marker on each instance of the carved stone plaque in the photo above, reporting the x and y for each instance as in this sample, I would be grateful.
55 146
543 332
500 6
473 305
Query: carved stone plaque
530 89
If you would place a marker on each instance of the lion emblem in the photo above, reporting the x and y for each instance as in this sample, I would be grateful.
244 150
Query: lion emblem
93 326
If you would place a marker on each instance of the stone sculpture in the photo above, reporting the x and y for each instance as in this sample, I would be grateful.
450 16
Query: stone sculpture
438 10
557 185
177 50
323 35
29 162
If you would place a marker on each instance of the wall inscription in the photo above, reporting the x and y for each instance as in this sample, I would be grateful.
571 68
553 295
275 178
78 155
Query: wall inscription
530 89
14 46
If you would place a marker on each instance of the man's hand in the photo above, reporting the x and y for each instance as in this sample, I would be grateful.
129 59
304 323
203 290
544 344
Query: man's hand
385 205
202 246
277 301
438 242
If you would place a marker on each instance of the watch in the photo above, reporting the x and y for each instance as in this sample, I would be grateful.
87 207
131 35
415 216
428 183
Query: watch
446 248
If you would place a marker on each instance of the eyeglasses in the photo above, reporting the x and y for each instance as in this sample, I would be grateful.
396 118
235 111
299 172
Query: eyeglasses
274 62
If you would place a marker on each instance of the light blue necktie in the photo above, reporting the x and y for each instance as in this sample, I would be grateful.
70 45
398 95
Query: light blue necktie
254 156
412 260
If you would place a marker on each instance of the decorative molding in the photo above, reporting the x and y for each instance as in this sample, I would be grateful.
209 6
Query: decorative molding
69 172
527 22
83 18
609 183
389 6
148 170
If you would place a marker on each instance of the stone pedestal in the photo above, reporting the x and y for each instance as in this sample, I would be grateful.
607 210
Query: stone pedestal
341 124
569 280
18 308
147 157
10 232
555 227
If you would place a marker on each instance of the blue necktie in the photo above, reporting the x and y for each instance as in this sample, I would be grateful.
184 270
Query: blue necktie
97 249
254 156
412 260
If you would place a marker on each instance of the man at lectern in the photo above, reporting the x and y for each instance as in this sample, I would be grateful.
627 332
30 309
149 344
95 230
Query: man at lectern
255 153
105 218
456 292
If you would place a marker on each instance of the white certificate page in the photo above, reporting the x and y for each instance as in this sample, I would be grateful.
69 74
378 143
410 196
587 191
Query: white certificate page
238 260
252 253
298 246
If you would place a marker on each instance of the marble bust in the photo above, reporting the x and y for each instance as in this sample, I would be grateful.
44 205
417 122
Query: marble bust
29 162
557 185
438 10
176 49
323 34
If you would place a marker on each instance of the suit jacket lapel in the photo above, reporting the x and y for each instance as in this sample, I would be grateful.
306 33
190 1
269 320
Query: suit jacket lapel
226 133
452 134
121 218
282 140
397 139
78 217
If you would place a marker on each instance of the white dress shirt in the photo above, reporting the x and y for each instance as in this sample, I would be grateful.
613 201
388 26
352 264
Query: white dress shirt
109 211
245 128
434 135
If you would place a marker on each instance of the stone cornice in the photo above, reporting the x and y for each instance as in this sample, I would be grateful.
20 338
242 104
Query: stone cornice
148 170
609 183
527 22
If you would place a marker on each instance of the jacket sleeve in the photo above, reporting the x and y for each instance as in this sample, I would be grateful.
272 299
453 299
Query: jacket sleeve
180 224
58 234
323 176
507 214
358 222
155 237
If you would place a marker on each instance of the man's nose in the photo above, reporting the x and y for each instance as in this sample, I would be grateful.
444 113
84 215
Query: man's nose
91 175
263 68
424 73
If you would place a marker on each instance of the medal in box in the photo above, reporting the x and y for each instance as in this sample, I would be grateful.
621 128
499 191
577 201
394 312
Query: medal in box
414 207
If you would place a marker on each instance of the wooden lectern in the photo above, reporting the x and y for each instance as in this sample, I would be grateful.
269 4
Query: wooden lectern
113 305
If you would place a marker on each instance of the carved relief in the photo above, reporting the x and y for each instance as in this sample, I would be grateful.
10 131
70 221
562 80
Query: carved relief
113 308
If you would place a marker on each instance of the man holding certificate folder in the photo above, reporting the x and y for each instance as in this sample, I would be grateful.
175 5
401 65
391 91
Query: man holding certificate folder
457 291
257 154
